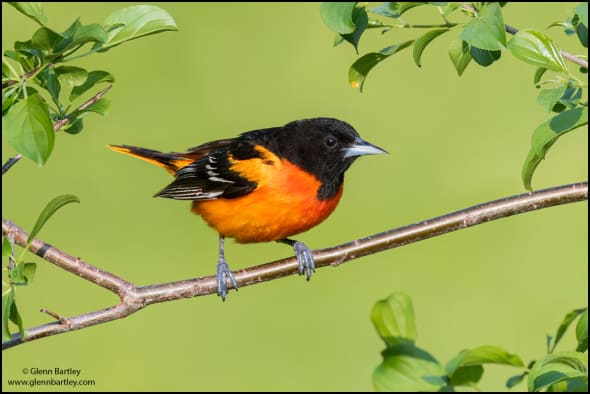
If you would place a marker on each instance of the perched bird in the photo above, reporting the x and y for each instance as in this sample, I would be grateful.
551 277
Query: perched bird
264 185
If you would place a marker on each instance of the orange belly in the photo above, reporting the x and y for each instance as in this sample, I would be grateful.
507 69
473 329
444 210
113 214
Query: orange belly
284 203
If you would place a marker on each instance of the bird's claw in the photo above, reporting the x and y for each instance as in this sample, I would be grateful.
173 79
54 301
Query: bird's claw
305 259
223 273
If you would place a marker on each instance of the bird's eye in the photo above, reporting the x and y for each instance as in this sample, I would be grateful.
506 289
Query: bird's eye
330 141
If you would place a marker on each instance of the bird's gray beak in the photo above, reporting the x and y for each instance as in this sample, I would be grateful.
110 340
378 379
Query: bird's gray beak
361 147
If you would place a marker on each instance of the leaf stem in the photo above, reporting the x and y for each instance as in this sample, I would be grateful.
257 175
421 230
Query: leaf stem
428 26
12 70
61 122
90 52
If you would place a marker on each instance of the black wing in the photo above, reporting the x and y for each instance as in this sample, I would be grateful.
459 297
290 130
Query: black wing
208 178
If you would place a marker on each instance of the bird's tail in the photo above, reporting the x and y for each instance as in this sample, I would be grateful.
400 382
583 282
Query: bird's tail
171 162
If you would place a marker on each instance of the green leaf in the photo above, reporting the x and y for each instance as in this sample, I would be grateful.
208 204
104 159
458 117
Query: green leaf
71 76
30 51
459 369
53 86
466 376
12 55
48 211
516 379
574 385
33 10
100 107
582 12
459 52
9 96
403 7
483 57
556 127
548 97
45 39
23 273
135 22
7 301
582 332
545 136
406 368
394 319
388 9
89 33
486 31
29 130
538 74
565 323
78 34
582 32
29 270
359 69
533 47
92 79
566 25
74 126
338 16
558 367
423 41
16 318
395 9
484 355
6 247
361 21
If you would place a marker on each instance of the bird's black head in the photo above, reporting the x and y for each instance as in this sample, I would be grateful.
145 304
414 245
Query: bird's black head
325 147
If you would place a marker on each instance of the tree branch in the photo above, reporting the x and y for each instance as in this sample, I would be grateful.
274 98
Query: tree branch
61 122
134 298
10 162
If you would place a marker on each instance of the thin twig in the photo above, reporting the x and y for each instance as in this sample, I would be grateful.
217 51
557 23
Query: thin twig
56 316
61 122
10 162
134 298
26 75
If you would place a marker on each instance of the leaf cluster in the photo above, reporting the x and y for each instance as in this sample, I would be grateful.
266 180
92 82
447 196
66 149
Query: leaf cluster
481 38
40 86
407 367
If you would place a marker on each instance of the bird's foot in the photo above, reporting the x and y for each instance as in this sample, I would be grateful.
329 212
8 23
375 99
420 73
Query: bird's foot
224 273
305 259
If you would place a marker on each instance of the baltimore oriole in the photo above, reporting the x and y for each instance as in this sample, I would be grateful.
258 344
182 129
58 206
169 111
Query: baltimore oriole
264 185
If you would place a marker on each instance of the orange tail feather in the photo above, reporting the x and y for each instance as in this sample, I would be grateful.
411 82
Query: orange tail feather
171 162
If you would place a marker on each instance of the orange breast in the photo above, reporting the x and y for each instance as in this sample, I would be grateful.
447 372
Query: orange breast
284 203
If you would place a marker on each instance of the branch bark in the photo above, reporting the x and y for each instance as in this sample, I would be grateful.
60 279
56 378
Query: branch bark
134 298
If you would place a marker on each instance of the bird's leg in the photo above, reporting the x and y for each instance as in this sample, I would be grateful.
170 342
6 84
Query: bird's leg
223 273
304 256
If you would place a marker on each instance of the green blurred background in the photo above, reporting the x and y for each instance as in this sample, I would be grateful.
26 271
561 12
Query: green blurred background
454 142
